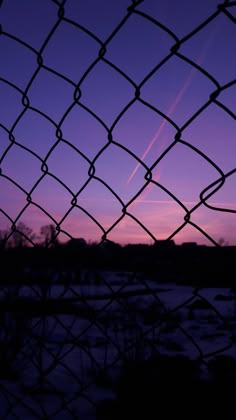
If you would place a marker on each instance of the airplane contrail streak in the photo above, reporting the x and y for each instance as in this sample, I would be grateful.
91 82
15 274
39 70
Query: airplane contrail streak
174 104
163 124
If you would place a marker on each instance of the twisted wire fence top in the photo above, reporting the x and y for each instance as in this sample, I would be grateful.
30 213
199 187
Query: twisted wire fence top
47 88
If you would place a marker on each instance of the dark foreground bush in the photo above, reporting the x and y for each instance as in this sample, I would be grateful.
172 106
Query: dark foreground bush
171 387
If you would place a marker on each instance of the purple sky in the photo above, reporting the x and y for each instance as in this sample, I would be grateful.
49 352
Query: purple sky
176 89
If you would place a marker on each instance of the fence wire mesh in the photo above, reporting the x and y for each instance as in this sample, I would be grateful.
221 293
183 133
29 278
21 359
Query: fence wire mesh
68 328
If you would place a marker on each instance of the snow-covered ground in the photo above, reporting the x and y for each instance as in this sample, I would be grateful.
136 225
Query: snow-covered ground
119 316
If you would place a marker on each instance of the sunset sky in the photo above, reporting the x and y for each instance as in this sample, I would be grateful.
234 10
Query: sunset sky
73 128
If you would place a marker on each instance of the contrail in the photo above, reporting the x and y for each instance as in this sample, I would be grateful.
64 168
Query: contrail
174 104
163 124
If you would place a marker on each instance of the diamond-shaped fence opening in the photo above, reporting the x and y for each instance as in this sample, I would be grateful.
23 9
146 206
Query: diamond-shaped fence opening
117 126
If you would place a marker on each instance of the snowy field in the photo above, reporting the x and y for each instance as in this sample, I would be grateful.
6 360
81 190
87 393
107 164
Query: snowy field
65 363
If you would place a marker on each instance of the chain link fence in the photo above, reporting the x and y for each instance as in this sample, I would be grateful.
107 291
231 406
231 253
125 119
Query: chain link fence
72 316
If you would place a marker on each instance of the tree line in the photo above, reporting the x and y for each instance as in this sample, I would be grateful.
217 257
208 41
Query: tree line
188 263
21 235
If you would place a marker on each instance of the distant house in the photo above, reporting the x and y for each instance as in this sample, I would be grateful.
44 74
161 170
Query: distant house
165 243
77 243
189 245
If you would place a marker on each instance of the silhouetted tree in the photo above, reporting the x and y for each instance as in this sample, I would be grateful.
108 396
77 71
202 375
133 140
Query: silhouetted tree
21 235
49 235
221 241
3 238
